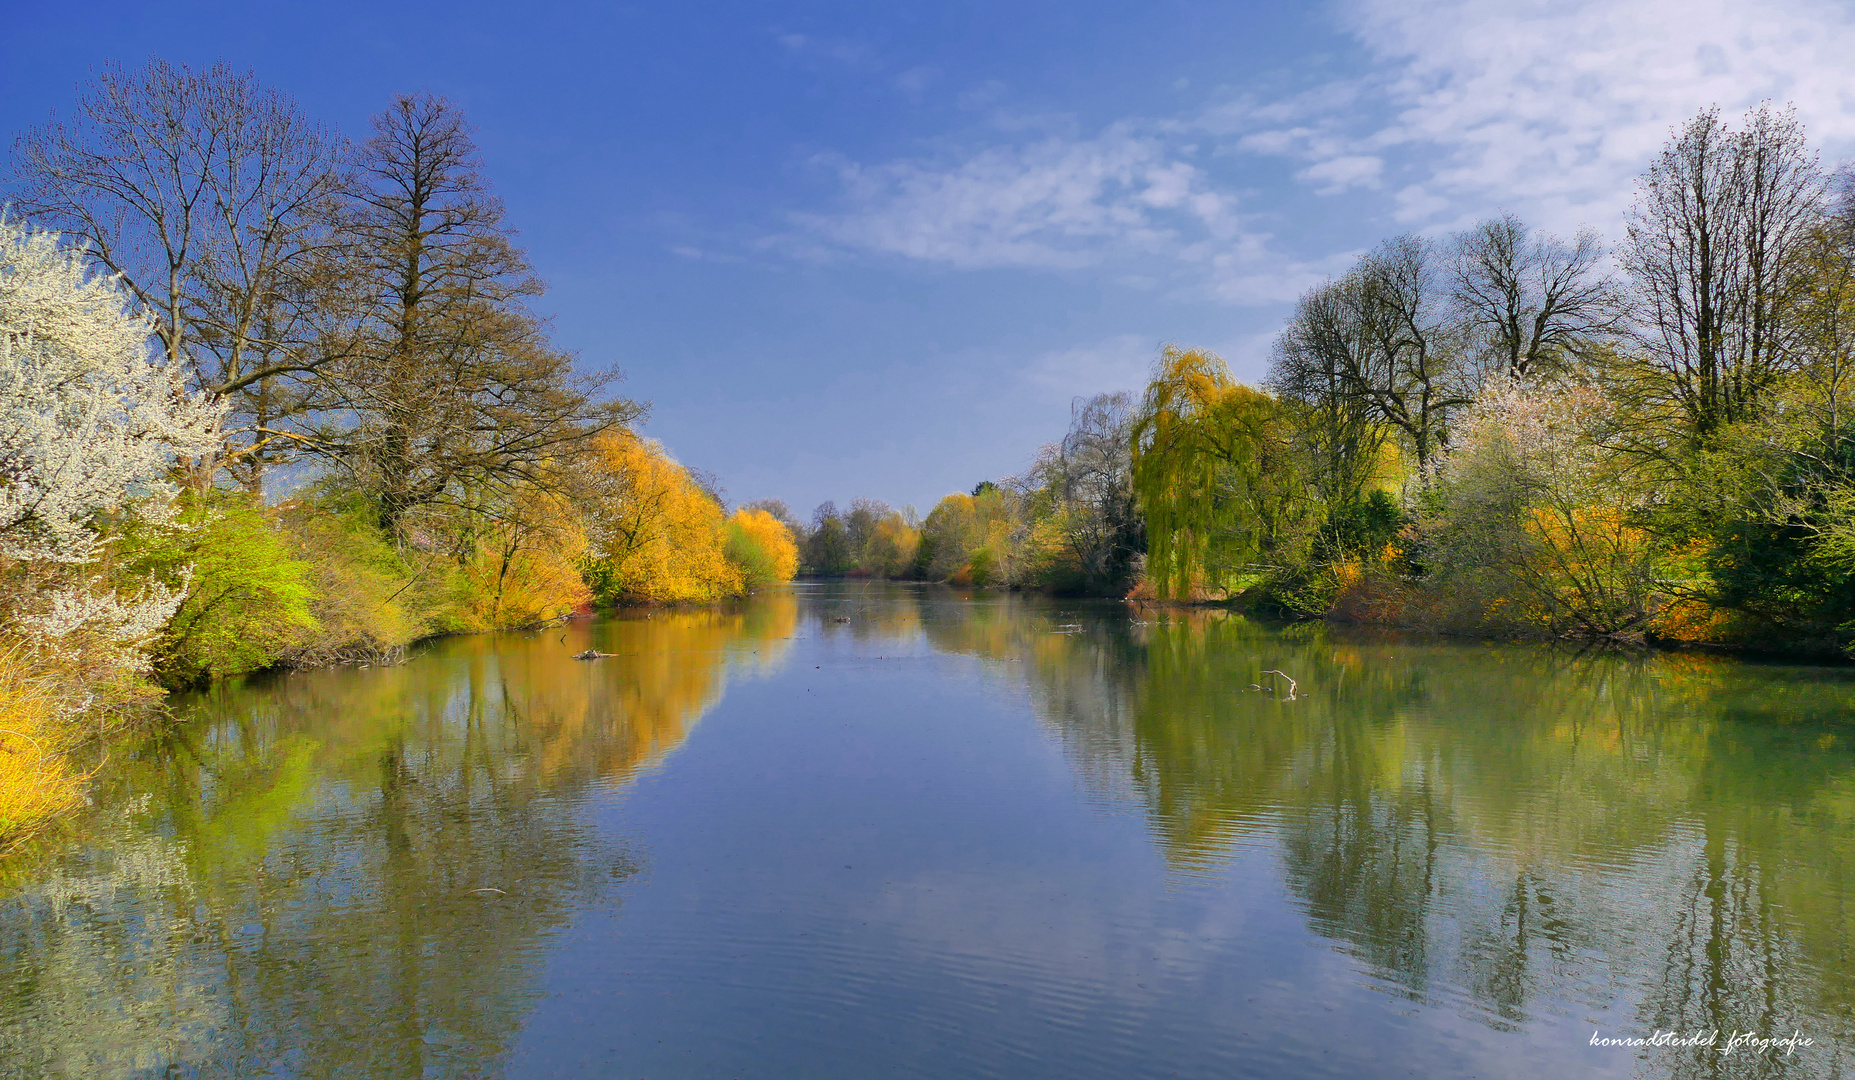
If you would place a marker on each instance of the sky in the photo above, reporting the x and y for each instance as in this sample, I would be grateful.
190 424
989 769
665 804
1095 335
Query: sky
877 249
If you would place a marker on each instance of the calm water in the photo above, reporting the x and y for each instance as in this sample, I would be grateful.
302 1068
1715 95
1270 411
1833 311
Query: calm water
956 837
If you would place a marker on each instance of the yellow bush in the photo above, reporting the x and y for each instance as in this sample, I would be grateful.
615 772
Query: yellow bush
37 780
368 600
526 568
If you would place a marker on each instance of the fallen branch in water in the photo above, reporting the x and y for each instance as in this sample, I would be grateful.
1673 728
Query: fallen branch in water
1291 683
591 654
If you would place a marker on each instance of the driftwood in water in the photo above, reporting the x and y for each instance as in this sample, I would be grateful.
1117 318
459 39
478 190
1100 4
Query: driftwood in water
1272 688
592 655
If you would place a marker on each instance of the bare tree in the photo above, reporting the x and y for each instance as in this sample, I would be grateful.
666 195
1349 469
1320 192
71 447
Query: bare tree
453 394
1717 239
1378 345
1414 376
1317 366
207 192
1531 303
1088 477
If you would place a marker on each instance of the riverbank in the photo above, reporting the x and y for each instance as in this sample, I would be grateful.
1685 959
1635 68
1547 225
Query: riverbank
1379 615
312 584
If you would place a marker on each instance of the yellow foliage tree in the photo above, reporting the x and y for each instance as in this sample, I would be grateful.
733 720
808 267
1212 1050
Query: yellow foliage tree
654 535
762 547
892 547
527 563
975 539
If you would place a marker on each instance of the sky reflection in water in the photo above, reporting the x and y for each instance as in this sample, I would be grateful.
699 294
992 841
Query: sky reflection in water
955 836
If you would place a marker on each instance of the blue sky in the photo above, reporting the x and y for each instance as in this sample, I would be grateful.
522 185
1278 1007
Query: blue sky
875 249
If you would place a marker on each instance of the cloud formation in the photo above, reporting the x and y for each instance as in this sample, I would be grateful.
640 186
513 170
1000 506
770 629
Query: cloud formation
1552 108
1462 108
1052 203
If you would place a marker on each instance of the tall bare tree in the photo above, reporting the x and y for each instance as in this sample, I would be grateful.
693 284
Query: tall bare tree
1531 303
1378 345
1319 359
1715 251
208 193
453 395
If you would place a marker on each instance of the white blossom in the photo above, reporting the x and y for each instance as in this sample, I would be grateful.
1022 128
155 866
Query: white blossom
90 416
91 419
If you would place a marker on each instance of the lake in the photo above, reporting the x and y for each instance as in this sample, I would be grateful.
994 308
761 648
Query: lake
848 831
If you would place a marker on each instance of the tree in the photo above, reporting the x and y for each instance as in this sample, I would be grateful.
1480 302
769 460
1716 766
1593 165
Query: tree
762 546
1215 474
208 194
827 544
1715 251
453 393
1773 496
879 539
529 545
973 539
1531 303
860 530
89 425
1528 526
1084 485
247 597
780 512
1319 360
1412 375
1378 346
653 534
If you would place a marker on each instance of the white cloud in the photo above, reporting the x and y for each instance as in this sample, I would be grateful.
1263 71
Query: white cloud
1055 203
1553 107
915 81
1548 108
853 54
1255 280
1338 174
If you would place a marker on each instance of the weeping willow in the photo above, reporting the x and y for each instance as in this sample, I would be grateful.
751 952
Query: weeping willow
1214 471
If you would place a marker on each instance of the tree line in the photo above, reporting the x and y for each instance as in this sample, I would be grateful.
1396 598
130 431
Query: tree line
1493 430
269 396
1069 524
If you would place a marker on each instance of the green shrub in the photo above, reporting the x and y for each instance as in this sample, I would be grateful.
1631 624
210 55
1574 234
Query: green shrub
248 600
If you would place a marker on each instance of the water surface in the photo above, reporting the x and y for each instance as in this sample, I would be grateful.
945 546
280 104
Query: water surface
955 836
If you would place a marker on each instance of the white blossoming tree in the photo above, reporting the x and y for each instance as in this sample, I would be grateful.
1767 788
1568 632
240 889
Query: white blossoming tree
1529 523
91 421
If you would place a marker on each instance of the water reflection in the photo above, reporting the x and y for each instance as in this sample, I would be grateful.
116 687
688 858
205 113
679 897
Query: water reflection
367 872
1640 843
351 872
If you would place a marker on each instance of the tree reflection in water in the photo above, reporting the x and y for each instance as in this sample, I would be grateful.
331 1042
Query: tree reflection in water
354 872
1634 842
1512 834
